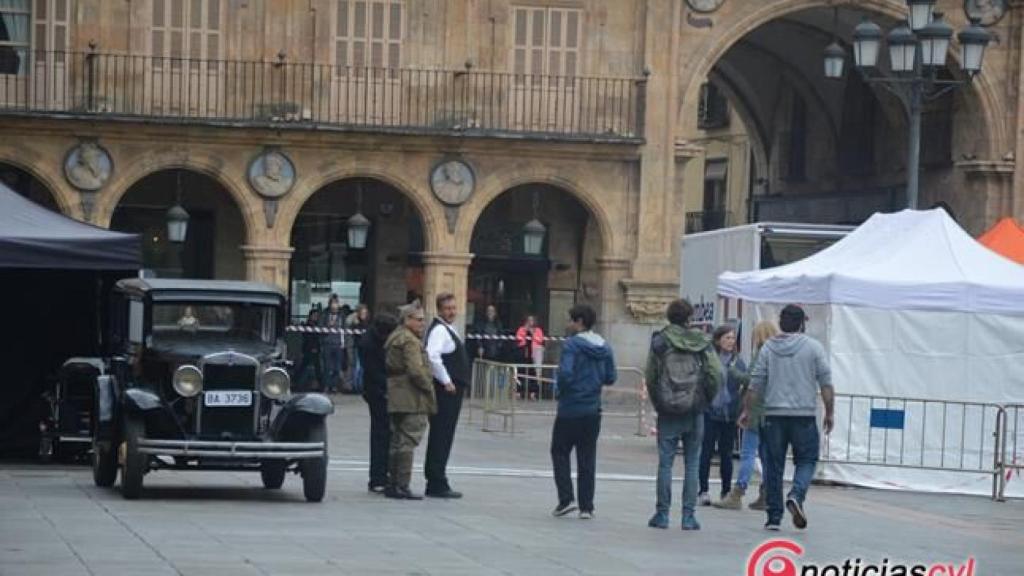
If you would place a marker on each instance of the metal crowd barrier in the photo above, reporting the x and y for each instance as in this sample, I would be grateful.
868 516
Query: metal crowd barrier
918 433
1011 448
510 390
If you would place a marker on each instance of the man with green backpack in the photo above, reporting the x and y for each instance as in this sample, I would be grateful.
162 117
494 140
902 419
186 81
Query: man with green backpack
683 375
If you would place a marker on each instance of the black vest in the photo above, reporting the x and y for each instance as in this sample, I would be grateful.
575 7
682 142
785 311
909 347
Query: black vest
457 362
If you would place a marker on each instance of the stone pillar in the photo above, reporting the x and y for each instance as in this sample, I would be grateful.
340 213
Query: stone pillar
446 272
267 264
656 230
627 336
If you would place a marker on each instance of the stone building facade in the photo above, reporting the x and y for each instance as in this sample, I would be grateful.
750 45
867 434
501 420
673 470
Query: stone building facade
615 123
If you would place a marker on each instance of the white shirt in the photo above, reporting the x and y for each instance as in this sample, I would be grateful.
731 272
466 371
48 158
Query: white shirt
439 342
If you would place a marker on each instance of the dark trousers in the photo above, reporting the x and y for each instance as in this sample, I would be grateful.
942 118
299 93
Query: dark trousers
719 437
380 439
580 433
442 436
302 377
777 434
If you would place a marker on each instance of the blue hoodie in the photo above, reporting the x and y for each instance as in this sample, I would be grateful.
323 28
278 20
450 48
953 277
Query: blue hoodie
587 364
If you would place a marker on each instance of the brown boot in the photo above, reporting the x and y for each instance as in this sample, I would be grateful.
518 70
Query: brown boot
733 500
759 504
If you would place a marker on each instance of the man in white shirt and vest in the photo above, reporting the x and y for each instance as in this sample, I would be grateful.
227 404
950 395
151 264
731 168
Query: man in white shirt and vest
449 363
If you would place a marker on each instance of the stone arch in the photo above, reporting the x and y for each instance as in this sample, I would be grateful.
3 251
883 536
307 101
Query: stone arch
981 90
429 212
734 87
61 193
141 167
496 185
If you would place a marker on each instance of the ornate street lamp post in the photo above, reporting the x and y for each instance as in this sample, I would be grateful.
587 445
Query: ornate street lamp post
917 51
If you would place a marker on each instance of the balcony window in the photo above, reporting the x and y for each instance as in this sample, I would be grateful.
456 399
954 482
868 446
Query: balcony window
185 30
546 41
713 110
15 40
367 34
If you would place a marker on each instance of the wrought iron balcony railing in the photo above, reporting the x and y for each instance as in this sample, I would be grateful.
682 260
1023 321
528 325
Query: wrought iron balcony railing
281 93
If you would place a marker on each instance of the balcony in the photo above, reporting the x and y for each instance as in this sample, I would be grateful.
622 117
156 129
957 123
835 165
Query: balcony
707 221
283 94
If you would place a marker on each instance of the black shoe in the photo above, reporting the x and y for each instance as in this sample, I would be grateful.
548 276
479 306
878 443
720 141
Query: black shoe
772 526
796 510
398 493
563 509
448 494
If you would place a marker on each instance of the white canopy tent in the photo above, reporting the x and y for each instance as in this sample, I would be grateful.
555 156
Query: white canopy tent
911 307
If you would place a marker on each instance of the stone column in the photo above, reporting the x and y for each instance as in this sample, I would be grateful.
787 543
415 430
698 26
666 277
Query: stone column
656 229
267 264
446 272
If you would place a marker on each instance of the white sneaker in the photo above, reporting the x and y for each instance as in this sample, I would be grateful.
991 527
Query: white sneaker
586 515
704 498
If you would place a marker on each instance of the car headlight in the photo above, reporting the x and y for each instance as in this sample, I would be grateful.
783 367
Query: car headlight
188 380
275 383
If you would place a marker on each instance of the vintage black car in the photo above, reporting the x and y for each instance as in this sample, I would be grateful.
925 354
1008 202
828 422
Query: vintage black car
65 432
197 380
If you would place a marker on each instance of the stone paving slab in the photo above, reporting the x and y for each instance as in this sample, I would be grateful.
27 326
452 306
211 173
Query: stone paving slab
53 521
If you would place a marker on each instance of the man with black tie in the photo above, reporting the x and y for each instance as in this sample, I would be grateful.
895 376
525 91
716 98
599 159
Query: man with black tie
449 363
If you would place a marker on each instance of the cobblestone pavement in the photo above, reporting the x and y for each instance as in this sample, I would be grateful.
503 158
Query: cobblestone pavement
53 521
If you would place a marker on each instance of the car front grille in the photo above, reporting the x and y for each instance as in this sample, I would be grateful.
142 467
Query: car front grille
229 422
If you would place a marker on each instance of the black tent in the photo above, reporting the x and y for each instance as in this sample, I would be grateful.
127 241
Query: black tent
33 237
55 273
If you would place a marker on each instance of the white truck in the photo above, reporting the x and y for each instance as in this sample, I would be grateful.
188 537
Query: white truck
705 255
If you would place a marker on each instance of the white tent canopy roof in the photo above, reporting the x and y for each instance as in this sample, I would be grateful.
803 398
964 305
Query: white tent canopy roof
910 260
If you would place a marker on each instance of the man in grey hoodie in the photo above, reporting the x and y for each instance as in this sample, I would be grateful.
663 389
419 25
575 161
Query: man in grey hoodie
789 372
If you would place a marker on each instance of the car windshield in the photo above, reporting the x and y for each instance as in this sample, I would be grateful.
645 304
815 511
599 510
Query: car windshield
224 323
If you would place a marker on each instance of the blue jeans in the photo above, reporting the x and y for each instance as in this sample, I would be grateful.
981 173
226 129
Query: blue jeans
357 376
335 368
779 433
673 429
719 437
750 450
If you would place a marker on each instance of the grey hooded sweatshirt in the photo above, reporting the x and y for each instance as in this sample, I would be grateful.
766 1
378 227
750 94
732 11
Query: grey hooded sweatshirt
788 373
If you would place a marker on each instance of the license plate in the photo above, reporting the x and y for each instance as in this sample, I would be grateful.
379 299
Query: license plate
228 398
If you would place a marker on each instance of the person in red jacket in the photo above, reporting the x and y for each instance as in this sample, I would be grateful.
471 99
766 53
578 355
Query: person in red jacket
530 341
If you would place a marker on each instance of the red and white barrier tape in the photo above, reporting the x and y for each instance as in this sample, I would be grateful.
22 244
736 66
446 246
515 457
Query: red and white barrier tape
358 331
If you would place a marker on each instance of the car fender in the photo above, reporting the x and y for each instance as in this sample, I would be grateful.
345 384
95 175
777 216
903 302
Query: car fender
138 400
298 408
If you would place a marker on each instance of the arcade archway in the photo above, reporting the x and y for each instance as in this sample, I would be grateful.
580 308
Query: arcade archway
547 284
216 228
384 274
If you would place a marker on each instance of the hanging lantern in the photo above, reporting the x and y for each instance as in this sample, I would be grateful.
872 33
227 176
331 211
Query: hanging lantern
358 231
533 237
177 224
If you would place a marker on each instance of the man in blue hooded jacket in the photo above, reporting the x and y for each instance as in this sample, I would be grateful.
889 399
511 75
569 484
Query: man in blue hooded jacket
587 364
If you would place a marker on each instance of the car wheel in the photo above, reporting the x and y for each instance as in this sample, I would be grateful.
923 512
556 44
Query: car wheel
272 472
104 464
46 449
314 470
134 465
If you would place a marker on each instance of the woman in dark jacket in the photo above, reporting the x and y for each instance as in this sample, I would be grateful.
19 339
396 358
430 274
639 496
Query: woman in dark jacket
720 417
375 393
